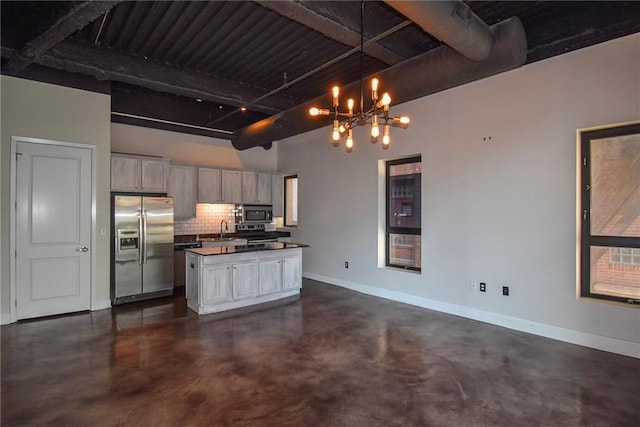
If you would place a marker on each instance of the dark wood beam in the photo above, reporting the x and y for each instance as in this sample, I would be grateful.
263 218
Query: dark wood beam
329 28
75 19
105 64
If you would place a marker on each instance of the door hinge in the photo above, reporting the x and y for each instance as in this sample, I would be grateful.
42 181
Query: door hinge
15 254
18 154
584 161
584 215
15 302
588 187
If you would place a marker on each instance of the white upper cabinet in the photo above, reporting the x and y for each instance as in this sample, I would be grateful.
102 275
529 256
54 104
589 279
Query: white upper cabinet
249 187
256 187
277 196
125 174
182 187
154 175
264 188
209 185
139 174
231 186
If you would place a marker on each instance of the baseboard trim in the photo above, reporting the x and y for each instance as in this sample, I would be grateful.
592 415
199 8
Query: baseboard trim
5 318
102 304
599 342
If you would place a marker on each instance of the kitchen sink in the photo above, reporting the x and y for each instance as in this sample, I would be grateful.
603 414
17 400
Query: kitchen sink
212 242
218 239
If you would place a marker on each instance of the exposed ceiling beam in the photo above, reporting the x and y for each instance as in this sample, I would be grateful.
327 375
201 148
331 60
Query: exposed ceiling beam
75 19
329 28
104 64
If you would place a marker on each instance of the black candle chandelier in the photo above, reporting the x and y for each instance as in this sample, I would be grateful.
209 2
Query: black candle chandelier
376 116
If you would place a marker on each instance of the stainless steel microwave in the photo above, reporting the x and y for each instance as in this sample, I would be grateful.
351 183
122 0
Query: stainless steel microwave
257 213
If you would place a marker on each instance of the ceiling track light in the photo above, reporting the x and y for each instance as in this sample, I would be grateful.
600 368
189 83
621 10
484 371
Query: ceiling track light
377 115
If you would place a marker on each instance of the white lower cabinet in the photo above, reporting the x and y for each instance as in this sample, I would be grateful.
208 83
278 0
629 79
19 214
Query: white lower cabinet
291 272
245 280
270 275
217 283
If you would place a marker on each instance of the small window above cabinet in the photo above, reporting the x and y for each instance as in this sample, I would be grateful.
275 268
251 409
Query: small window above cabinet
139 173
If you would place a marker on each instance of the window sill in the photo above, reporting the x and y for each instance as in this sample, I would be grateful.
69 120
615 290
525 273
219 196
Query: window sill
404 270
608 302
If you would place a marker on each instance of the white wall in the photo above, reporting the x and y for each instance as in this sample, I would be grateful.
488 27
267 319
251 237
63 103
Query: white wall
501 211
180 147
41 110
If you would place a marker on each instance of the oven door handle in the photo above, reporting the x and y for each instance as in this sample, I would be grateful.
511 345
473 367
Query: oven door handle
261 241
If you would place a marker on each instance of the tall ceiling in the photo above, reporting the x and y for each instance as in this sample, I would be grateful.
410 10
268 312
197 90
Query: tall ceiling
173 63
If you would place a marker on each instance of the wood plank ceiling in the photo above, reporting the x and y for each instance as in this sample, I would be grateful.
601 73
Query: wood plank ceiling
197 63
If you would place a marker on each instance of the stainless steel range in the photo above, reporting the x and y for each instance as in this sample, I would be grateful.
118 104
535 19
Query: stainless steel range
254 233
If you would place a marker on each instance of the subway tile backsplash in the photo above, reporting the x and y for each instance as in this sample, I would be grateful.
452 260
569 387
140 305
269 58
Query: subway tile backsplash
207 220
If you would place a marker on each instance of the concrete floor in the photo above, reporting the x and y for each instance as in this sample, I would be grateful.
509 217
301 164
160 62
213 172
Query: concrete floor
332 358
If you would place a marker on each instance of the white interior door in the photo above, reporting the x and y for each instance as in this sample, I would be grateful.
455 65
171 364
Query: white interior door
53 229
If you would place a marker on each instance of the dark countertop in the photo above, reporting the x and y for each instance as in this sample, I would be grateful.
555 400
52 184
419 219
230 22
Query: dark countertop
191 238
240 249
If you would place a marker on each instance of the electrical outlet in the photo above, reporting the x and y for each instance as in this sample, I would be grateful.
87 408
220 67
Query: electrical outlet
346 264
505 291
474 285
483 287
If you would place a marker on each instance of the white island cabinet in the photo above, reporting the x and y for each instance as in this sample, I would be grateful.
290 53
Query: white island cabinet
219 279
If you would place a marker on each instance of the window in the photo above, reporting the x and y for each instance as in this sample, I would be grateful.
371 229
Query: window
291 201
403 219
610 211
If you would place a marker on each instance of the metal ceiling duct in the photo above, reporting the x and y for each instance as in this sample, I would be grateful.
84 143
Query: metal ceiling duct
434 71
451 22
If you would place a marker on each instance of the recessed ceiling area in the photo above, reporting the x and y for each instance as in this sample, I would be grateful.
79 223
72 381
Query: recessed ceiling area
198 63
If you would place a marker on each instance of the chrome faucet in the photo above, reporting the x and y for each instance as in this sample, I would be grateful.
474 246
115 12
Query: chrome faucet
226 227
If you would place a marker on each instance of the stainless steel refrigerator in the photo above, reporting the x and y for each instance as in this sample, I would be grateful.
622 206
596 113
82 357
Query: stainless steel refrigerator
142 262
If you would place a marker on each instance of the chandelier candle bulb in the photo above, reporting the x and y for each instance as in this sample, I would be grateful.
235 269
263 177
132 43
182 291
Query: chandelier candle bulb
349 144
375 129
384 102
374 89
313 111
336 93
386 138
401 121
350 103
336 130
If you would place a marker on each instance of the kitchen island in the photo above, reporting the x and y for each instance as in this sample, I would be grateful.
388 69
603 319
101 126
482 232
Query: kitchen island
230 277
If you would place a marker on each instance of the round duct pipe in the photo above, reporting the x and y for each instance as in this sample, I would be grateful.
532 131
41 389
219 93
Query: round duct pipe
439 69
451 22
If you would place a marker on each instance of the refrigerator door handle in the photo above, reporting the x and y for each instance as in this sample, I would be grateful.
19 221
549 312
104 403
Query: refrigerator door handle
141 242
144 234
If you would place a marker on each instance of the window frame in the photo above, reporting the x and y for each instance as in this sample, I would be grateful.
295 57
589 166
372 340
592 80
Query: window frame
398 230
587 240
284 219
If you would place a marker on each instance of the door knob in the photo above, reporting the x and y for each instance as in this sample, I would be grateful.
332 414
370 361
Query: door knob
83 249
